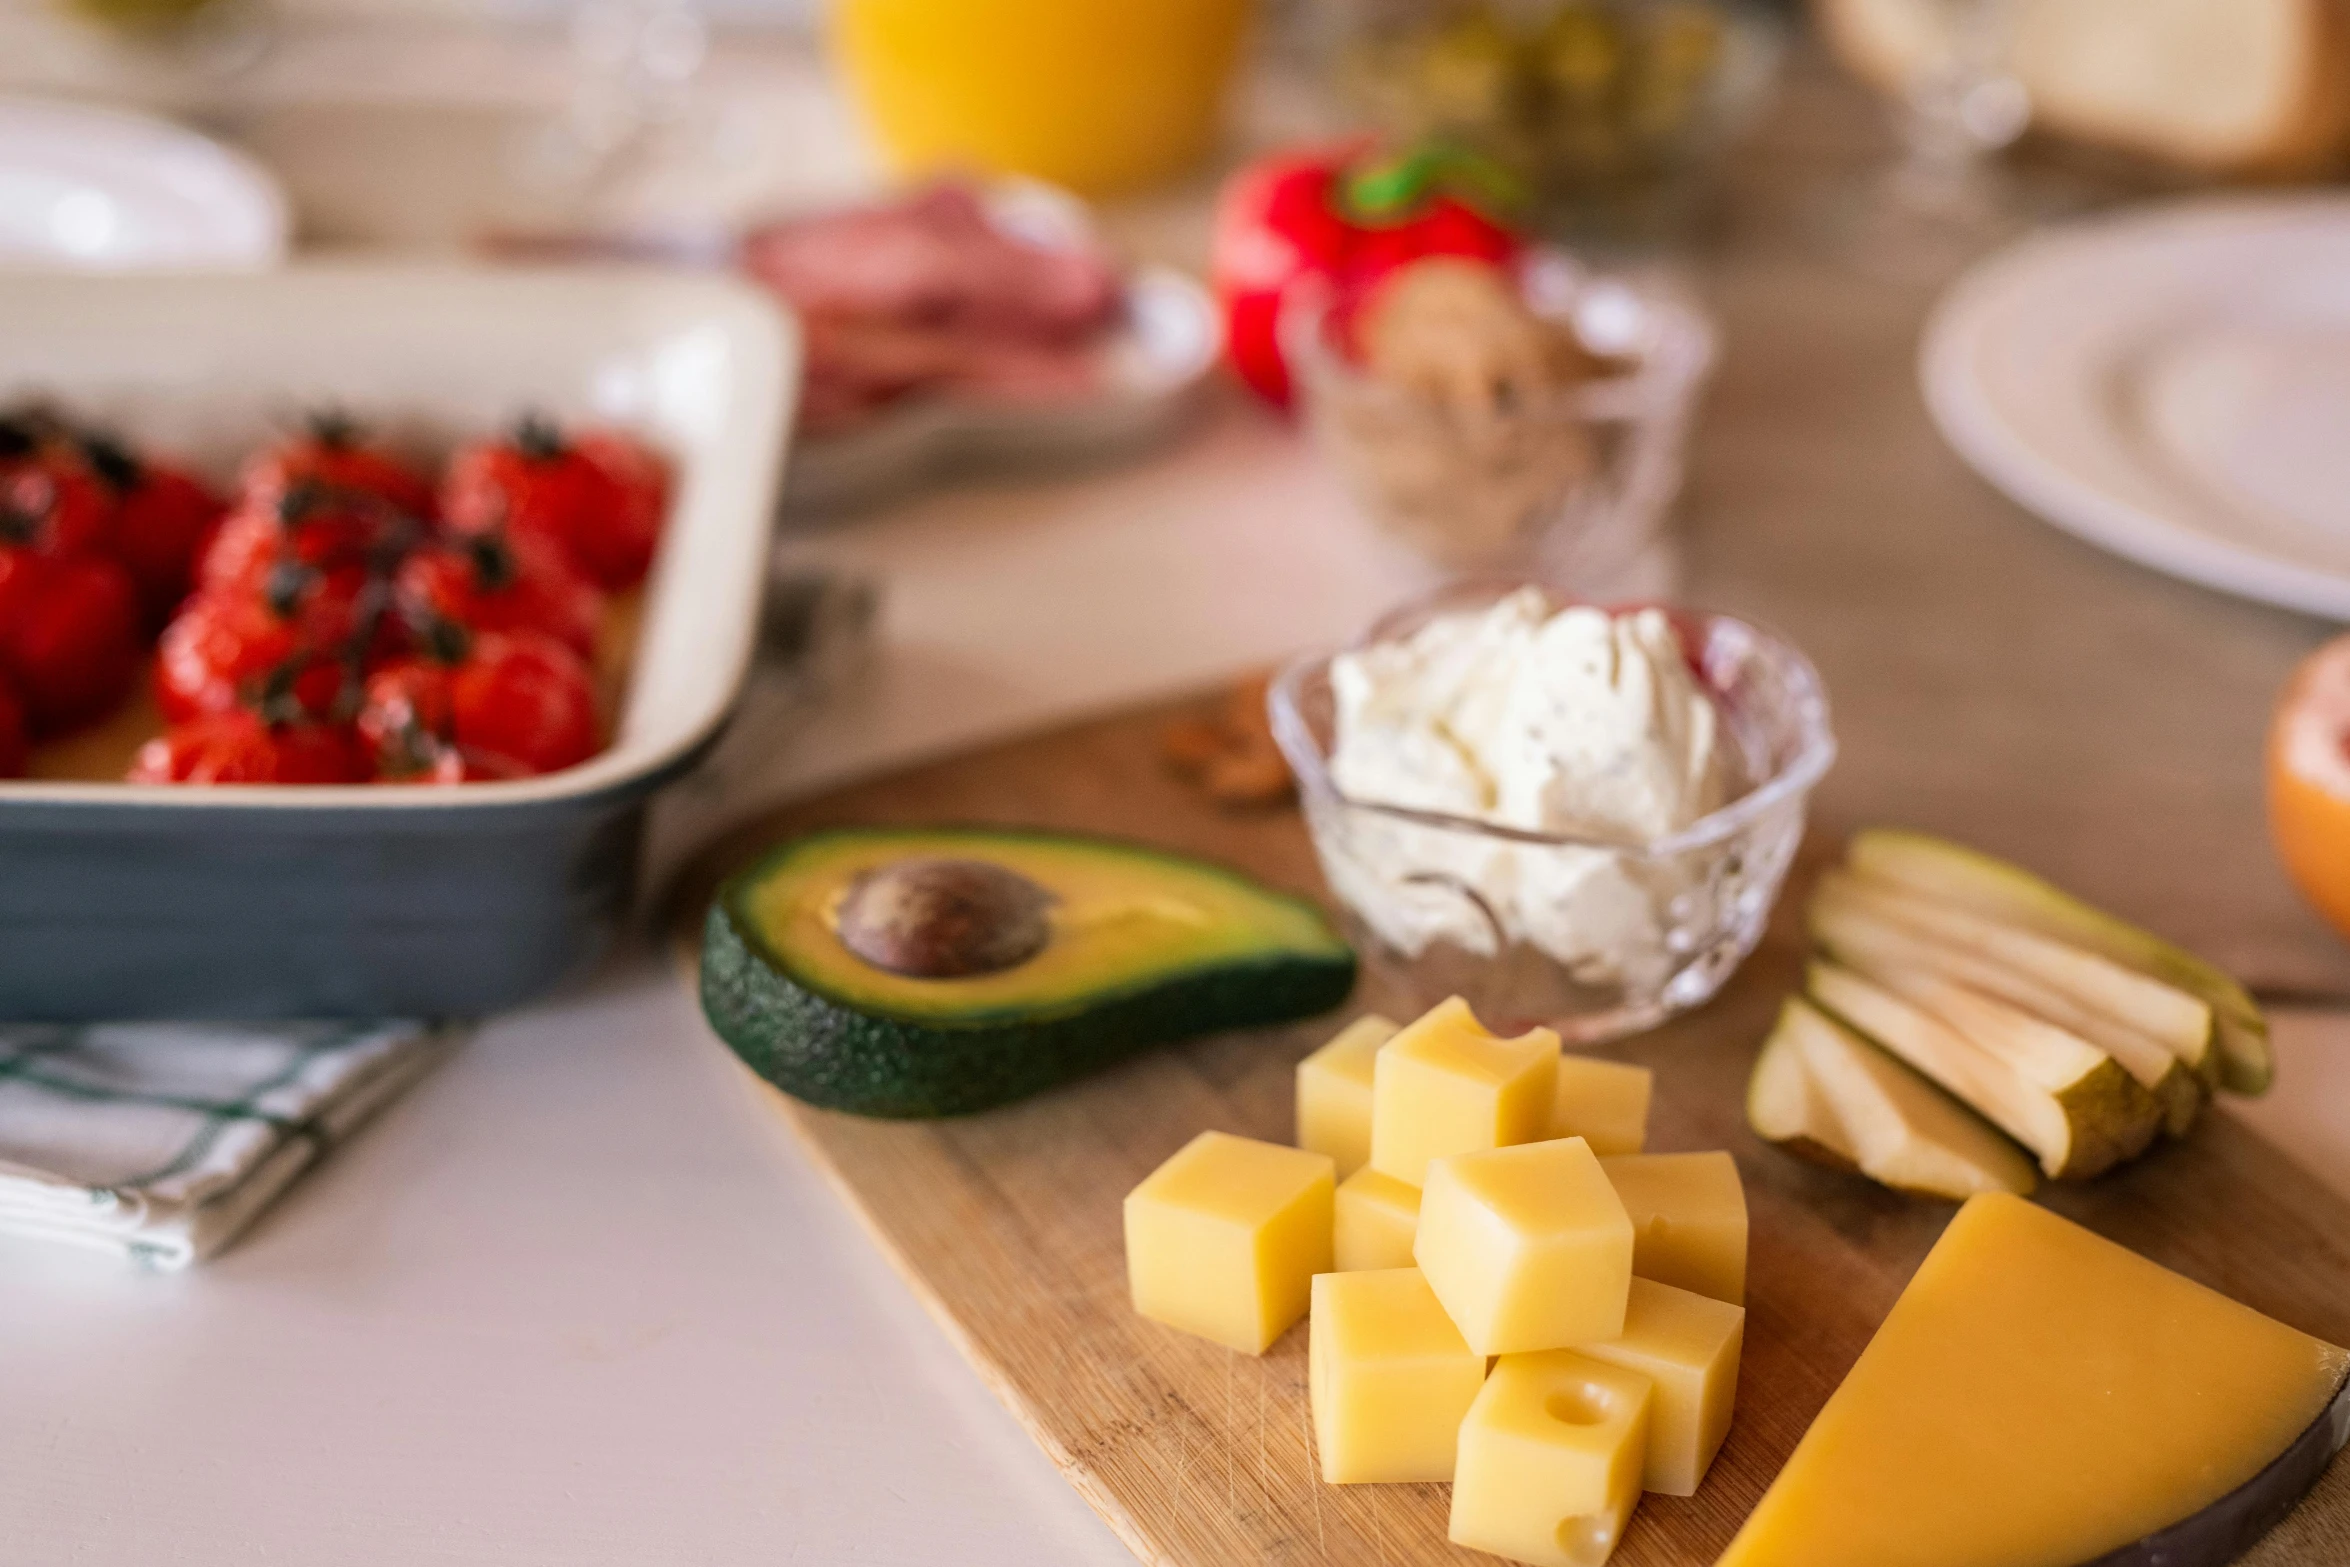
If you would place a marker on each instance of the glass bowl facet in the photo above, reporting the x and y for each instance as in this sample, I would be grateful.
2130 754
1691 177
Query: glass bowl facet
1443 905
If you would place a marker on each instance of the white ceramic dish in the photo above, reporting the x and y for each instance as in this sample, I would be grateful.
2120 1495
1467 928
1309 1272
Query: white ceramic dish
92 189
129 899
1150 367
2172 385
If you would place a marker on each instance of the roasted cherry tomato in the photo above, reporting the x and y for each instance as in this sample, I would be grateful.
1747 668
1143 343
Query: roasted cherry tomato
15 737
599 495
229 650
523 700
69 635
241 747
162 516
333 456
51 500
500 582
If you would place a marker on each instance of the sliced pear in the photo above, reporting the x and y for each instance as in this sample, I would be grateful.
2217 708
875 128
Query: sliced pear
2114 1117
2074 1133
1865 937
2181 1022
1902 1130
1785 1107
1982 884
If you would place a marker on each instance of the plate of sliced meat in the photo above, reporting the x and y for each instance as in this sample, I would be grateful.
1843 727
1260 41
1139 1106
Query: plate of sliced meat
960 327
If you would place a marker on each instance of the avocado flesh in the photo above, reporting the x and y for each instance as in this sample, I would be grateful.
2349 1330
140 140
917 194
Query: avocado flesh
1144 947
1982 884
1897 1127
1845 923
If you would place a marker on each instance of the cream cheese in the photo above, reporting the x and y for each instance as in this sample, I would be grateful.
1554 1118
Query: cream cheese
1575 723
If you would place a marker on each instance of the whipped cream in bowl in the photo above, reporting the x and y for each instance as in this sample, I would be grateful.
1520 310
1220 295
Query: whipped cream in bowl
1570 814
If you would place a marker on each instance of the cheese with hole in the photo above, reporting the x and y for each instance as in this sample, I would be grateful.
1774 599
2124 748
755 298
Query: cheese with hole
2037 1394
1375 1217
1687 1346
1688 1215
1224 1239
1446 1085
1388 1376
1334 1094
1528 1247
1551 1458
1603 1102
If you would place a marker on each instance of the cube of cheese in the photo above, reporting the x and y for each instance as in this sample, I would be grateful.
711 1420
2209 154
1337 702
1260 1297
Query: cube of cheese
1388 1376
1550 1460
1444 1085
1603 1102
1224 1239
1688 1215
1334 1094
1687 1346
1527 1247
1375 1218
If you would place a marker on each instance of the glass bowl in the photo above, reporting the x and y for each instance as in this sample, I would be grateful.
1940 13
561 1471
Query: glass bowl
1443 905
1568 487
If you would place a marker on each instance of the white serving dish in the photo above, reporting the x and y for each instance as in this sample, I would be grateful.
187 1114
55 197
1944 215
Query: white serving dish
156 899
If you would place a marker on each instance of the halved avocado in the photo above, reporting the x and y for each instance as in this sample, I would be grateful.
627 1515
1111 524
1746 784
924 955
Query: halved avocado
929 972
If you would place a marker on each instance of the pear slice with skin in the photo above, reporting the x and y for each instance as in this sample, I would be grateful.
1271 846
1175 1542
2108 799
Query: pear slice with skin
2075 1133
1983 884
1865 937
2182 1023
2047 1057
1786 1108
1904 1132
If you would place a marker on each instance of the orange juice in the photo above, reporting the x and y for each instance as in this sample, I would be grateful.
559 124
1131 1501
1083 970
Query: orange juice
1097 95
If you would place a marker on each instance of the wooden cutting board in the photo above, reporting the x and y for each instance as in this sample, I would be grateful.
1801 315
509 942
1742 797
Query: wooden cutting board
1007 1224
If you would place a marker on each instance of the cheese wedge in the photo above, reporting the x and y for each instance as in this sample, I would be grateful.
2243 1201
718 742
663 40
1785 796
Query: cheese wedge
2038 1395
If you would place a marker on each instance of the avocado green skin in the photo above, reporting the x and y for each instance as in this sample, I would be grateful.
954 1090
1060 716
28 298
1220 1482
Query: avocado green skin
820 1051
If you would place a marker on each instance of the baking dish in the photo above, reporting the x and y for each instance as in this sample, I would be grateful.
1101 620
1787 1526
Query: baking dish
121 900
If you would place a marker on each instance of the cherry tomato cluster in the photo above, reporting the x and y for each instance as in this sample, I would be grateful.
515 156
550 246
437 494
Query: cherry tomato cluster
340 619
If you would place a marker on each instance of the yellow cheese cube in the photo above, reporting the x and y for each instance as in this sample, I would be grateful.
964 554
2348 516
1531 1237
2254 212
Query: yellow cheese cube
1687 1346
1551 1456
1603 1102
1376 1216
1688 1220
1444 1085
1334 1094
1224 1239
1527 1247
1389 1378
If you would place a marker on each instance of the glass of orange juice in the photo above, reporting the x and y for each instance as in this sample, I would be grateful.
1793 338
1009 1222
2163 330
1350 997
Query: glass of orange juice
1099 95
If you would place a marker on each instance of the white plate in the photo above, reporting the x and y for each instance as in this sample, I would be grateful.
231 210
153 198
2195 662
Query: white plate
2173 385
85 188
1150 366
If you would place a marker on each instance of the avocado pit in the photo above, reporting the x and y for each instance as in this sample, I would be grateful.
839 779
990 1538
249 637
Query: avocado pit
944 918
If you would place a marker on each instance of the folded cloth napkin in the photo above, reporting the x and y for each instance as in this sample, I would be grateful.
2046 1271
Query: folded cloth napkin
161 1141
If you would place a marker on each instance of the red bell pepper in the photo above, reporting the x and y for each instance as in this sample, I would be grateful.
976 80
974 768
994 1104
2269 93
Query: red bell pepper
1347 217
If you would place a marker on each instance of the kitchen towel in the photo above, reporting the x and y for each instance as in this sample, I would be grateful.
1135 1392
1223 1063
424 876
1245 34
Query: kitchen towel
161 1142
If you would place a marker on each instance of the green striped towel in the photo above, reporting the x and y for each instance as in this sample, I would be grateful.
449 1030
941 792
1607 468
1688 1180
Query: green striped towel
162 1141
